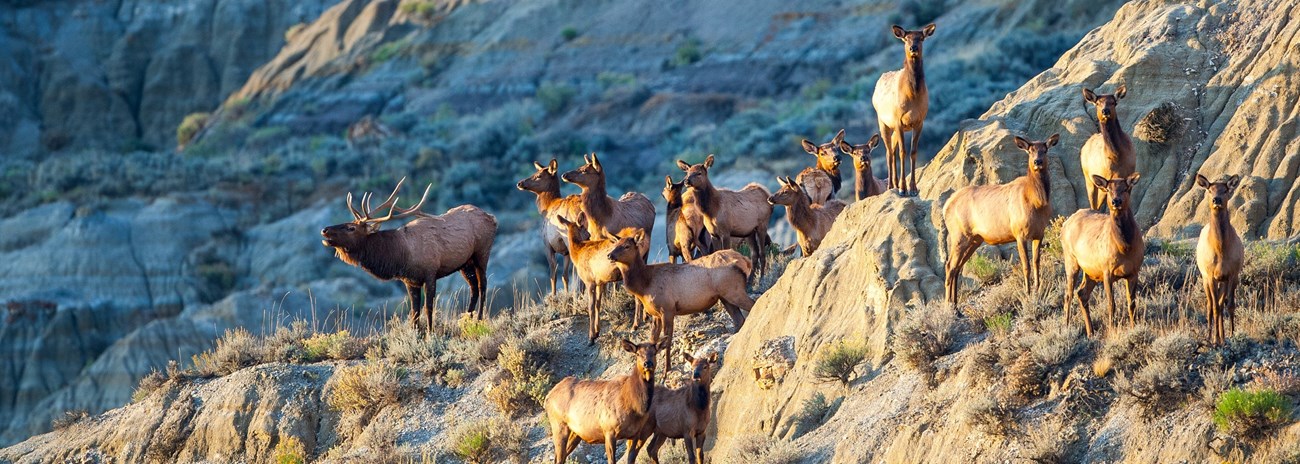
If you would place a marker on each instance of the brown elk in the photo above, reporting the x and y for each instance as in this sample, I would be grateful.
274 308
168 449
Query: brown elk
1105 247
683 223
730 213
590 258
1017 211
420 252
811 222
552 205
827 169
1219 255
1108 154
604 215
681 413
865 183
603 411
901 102
670 290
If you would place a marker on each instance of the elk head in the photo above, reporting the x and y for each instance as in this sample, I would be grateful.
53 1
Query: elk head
577 228
589 175
861 153
827 158
697 175
1219 192
702 368
912 40
626 249
351 234
1105 103
1119 191
1037 151
544 180
789 193
673 192
645 357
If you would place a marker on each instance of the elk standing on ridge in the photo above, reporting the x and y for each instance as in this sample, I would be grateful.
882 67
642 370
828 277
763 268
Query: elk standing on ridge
420 252
669 290
683 223
1108 154
901 102
603 411
865 183
1105 247
681 413
552 205
730 213
590 258
1017 211
811 222
823 181
604 215
1219 255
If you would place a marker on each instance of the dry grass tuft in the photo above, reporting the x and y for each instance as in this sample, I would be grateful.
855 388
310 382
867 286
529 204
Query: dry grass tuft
839 361
991 415
761 449
488 440
924 335
235 350
69 419
360 391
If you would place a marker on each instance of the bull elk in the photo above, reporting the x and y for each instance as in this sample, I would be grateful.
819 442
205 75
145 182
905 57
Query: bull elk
681 413
603 411
811 222
552 206
1103 247
865 183
823 180
420 252
683 223
1017 211
1108 154
901 102
1219 256
729 213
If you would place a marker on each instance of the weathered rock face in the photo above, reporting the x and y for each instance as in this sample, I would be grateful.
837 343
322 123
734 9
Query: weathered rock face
111 75
1206 94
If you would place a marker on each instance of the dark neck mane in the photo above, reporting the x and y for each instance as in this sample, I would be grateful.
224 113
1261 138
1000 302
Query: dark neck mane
706 198
864 185
913 75
800 212
635 277
1128 228
375 255
699 396
596 203
548 197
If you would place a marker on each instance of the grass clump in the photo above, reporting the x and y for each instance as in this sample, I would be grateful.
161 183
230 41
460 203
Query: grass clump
999 324
189 127
69 419
762 449
923 336
812 414
984 270
990 415
339 345
474 329
148 384
525 378
366 388
289 450
488 440
554 97
235 350
1250 415
687 53
569 33
839 361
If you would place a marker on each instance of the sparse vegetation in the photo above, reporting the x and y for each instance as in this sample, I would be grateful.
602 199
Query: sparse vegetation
69 419
361 390
761 449
554 97
1249 414
488 440
839 361
525 378
148 384
235 350
999 324
924 335
189 127
990 415
569 33
339 345
289 450
688 53
812 413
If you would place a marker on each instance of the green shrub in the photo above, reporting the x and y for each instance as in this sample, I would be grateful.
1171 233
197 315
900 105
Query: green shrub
983 269
999 323
569 33
840 361
1251 414
489 440
812 414
235 350
422 9
340 345
474 329
554 97
289 450
387 51
189 127
526 379
688 53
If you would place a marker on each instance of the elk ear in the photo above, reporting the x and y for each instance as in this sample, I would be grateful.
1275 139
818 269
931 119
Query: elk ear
683 165
899 32
1121 91
839 137
1233 182
713 357
1051 141
639 236
668 181
628 346
708 162
846 148
929 30
689 359
1202 181
554 166
809 147
1089 96
1100 182
1021 143
595 162
1133 179
780 181
873 141
538 166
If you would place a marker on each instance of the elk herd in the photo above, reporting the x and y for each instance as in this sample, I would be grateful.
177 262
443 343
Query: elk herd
608 241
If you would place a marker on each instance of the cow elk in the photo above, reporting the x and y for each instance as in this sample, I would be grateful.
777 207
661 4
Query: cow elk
811 222
901 102
604 215
552 205
597 272
681 413
823 180
603 411
865 183
730 213
686 237
420 252
670 290
1103 247
1219 255
1017 211
1108 154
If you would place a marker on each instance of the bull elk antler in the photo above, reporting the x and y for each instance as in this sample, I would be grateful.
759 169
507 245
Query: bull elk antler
364 216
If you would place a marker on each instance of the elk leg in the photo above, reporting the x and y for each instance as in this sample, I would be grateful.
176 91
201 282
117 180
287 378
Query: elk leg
916 138
1131 286
609 448
468 273
554 267
887 136
689 440
574 439
1106 281
653 448
1230 297
736 317
1022 247
668 335
560 438
1038 259
1084 294
430 300
699 447
1211 316
415 295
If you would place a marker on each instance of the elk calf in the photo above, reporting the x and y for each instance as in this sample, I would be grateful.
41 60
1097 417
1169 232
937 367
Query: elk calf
730 213
603 411
683 223
823 180
1219 256
901 101
551 205
811 222
1105 247
1108 154
865 183
420 252
590 258
1017 211
681 413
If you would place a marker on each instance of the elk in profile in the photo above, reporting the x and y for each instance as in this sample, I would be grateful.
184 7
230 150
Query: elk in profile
1108 154
865 183
681 413
823 180
1104 247
683 223
730 213
590 258
552 205
420 252
670 290
811 222
1017 211
603 411
901 102
1219 255
604 215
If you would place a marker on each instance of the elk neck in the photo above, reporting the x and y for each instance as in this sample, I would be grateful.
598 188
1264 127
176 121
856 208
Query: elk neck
596 203
706 198
635 276
378 254
800 212
1128 229
1040 188
1116 140
699 396
548 197
912 80
637 392
1220 223
864 185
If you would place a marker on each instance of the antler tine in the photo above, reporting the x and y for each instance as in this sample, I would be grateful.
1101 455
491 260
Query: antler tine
414 209
365 204
392 198
355 215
